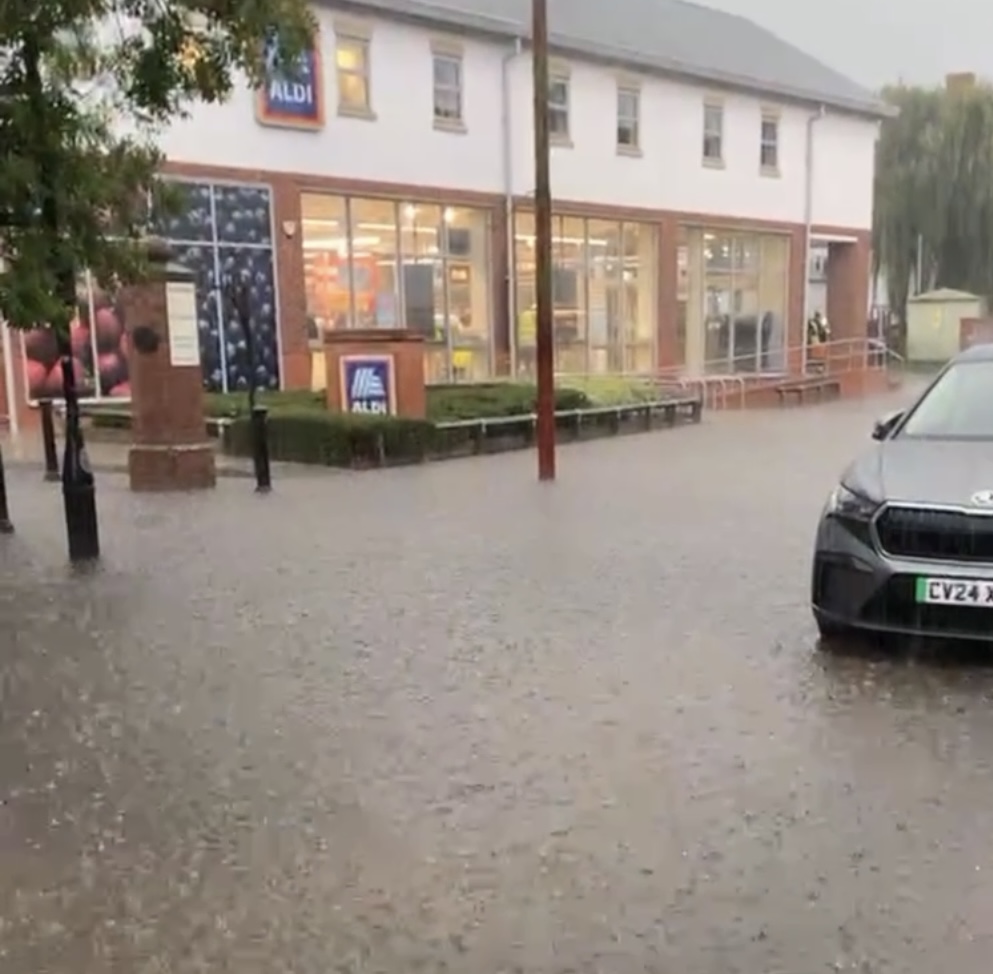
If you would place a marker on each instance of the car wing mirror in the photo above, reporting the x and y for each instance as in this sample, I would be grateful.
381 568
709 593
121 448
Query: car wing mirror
885 426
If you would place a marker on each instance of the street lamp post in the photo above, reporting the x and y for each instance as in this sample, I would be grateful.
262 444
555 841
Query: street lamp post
78 485
545 339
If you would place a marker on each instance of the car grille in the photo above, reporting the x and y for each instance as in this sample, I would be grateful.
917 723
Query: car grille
906 532
894 606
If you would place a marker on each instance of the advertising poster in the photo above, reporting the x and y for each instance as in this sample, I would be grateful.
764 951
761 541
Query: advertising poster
99 352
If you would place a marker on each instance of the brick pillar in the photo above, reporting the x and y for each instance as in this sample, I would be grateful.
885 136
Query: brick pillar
848 288
295 367
170 447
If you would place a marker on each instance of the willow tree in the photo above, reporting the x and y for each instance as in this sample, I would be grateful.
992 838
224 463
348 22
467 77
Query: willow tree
934 191
86 87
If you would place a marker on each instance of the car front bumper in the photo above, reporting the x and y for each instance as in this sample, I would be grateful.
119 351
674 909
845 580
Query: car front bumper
857 586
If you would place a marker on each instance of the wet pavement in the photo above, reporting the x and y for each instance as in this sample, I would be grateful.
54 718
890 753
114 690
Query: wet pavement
446 719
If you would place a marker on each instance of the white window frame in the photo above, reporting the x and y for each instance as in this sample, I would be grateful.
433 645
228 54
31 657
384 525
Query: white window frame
710 107
559 75
769 117
450 53
357 35
631 121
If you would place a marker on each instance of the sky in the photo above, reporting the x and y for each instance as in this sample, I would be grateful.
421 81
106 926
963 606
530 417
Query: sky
875 42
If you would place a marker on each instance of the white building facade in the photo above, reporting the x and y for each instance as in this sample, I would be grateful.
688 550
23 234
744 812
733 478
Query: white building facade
387 183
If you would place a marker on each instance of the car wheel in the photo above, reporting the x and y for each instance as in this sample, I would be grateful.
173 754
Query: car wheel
833 635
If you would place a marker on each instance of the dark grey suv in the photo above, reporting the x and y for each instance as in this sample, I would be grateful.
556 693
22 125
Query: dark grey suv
905 542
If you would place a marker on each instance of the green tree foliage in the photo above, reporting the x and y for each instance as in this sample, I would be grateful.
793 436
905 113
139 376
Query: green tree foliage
85 87
934 183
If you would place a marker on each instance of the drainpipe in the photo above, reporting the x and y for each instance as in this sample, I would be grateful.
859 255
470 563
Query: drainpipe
508 199
808 218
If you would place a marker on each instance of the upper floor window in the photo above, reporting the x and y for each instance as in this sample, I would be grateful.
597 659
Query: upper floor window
713 133
558 107
628 118
769 144
352 71
448 81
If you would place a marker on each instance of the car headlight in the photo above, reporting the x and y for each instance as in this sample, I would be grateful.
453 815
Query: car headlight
844 502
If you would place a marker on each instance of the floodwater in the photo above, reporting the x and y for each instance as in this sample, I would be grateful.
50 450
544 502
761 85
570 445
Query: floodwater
447 719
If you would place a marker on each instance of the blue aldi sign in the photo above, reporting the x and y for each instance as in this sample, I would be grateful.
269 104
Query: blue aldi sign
368 385
292 96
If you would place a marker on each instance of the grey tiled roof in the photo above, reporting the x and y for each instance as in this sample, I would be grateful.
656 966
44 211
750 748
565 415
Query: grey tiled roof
670 36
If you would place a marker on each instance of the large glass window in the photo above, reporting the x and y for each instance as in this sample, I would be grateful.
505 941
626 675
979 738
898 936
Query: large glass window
223 232
603 286
733 300
372 263
325 261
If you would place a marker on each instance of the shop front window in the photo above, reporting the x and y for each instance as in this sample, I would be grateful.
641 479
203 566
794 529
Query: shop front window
732 300
640 304
327 274
375 253
570 296
607 316
421 266
604 276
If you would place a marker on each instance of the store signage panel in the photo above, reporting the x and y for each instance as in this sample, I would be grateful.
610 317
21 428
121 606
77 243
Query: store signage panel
368 385
292 97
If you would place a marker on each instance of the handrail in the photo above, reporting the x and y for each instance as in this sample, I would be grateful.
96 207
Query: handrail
632 408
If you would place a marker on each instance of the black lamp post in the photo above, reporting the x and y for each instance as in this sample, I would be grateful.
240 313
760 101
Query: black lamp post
239 297
78 487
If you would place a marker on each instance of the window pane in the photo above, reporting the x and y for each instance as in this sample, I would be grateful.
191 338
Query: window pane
713 119
718 301
558 121
770 130
447 71
569 281
627 104
606 299
324 236
627 134
466 244
745 305
351 55
526 322
774 253
353 92
374 258
423 283
959 406
640 277
558 92
447 104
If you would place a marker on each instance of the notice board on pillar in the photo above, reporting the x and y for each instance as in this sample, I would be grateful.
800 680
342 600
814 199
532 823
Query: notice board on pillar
368 384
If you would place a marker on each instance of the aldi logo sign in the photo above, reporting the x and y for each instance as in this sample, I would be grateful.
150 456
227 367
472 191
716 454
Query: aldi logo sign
368 385
292 96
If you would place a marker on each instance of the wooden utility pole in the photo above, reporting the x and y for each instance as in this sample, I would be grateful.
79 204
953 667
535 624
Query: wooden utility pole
545 336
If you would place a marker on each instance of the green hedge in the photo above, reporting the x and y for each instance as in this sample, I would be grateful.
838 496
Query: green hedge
336 439
489 400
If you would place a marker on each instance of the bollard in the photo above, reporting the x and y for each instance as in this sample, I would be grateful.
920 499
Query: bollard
78 486
48 439
260 449
6 527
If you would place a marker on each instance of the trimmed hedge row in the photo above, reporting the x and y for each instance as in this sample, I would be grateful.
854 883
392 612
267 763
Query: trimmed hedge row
344 440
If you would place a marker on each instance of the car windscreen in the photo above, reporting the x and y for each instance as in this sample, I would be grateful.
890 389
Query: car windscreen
959 406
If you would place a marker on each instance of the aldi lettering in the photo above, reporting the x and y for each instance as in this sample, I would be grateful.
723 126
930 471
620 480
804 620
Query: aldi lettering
292 96
368 385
